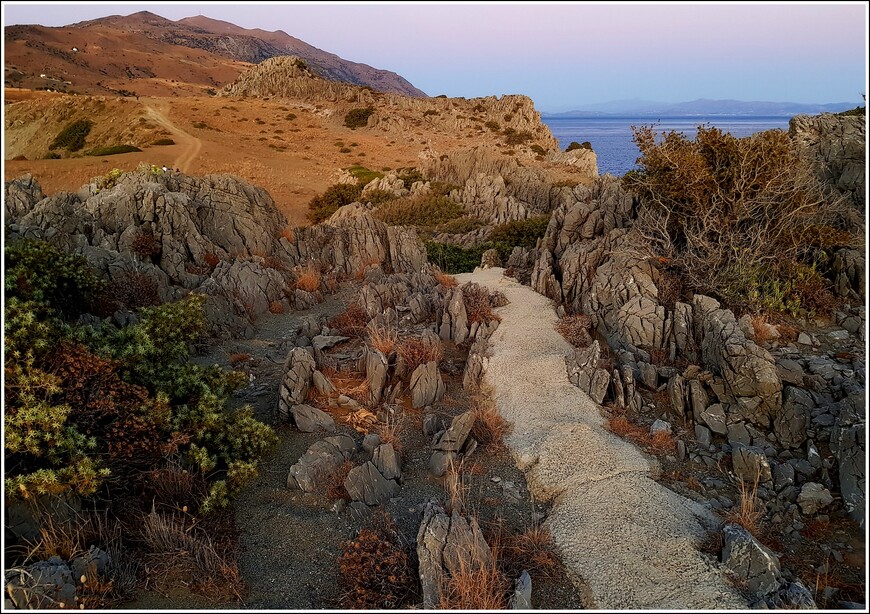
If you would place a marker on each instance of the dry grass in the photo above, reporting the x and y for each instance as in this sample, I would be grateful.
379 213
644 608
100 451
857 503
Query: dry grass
66 539
364 265
478 304
349 383
693 483
455 487
351 322
415 352
288 233
761 329
660 443
391 432
383 338
443 279
817 530
276 307
788 332
533 550
489 427
273 262
239 357
476 585
308 278
749 512
575 328
335 486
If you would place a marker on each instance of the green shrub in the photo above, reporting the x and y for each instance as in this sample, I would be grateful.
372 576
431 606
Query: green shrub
512 137
430 112
72 137
52 155
112 150
538 149
377 197
441 188
427 211
358 118
575 145
494 126
163 142
453 259
460 225
856 111
410 176
337 195
522 233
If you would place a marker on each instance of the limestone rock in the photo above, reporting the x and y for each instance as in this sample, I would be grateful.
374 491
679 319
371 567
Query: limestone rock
583 372
365 483
790 425
42 585
320 462
386 461
490 259
299 369
749 560
310 419
521 599
322 383
849 444
454 437
714 417
750 464
426 385
377 367
813 498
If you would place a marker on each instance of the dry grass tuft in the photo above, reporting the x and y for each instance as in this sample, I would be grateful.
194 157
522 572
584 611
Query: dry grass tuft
239 357
276 307
335 486
308 278
391 432
749 512
761 328
273 262
660 443
415 352
383 338
479 303
211 259
455 487
575 328
288 233
351 322
490 428
443 279
533 550
476 585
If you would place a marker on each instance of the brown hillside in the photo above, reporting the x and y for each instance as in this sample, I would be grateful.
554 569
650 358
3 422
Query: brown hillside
145 54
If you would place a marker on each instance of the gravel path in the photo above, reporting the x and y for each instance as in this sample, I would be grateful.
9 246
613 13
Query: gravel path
630 539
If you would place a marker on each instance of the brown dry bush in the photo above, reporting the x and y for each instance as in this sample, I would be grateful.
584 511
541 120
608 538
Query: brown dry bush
489 427
383 338
659 443
749 512
532 550
391 432
735 216
237 358
575 328
476 585
415 352
479 303
134 290
173 487
211 259
145 245
273 262
375 571
308 278
443 279
351 322
276 307
335 486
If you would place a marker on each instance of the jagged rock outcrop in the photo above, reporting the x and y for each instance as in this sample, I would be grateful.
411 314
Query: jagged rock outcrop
849 445
749 560
426 385
447 544
20 195
584 372
320 463
298 372
836 146
368 485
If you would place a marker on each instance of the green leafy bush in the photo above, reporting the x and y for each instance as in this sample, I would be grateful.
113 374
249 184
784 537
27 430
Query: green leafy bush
575 145
358 118
377 197
112 150
427 211
453 259
52 155
460 225
410 176
72 137
522 233
337 195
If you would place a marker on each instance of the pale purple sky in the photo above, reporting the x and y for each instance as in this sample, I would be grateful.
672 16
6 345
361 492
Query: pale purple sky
563 55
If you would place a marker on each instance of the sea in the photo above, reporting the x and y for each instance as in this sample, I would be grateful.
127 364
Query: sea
611 137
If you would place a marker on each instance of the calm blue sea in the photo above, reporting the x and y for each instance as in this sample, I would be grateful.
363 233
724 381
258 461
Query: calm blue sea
612 141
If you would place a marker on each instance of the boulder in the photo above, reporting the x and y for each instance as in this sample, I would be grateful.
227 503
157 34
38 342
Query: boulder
490 259
365 483
521 598
320 462
454 437
387 462
310 419
813 498
849 445
377 367
426 385
750 464
322 383
42 585
299 369
790 425
583 372
714 417
750 561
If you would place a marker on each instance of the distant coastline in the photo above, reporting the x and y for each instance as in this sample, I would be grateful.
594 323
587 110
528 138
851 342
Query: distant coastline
701 108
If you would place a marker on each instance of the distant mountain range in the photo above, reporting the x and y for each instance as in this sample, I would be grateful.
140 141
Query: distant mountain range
702 106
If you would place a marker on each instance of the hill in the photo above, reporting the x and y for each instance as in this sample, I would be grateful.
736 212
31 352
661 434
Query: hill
146 54
701 106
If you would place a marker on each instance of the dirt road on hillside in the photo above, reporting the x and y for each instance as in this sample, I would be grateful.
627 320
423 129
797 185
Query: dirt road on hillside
158 110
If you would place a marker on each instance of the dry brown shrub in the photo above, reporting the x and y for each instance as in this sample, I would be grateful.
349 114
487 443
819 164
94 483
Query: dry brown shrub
383 338
134 289
489 427
788 332
816 529
760 328
211 259
415 352
575 329
660 443
671 288
478 304
288 233
239 357
375 571
308 278
749 512
443 279
145 245
273 262
351 322
276 307
335 486
173 487
693 483
365 264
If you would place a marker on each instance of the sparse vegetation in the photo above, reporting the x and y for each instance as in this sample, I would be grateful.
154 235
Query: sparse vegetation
490 428
337 195
308 278
575 145
415 352
358 118
72 137
164 141
364 175
575 328
479 303
460 225
426 211
522 233
351 322
453 259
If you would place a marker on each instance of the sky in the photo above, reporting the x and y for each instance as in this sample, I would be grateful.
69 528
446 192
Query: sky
563 55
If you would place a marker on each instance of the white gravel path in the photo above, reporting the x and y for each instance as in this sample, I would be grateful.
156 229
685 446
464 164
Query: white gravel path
631 540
